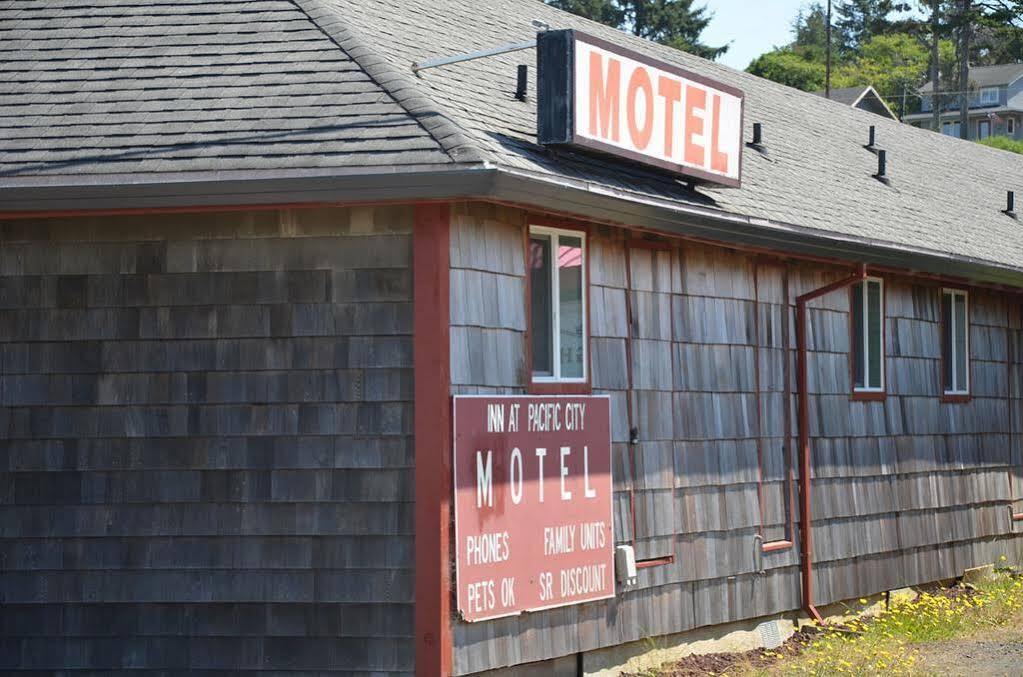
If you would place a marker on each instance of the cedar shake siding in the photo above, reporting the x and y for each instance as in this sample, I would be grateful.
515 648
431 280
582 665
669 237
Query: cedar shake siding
906 490
206 458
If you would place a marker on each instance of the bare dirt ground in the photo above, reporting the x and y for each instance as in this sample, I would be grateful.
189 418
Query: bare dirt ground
981 635
996 652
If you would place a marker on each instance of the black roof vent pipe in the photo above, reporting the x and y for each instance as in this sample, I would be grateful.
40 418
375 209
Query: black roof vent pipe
1010 204
522 82
882 167
757 143
870 143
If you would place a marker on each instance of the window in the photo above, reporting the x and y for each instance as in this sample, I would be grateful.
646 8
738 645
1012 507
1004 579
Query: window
989 96
557 290
955 342
983 129
867 349
1010 126
951 128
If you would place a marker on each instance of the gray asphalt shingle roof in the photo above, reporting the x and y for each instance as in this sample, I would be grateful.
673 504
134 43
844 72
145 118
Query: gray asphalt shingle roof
988 76
846 95
107 86
945 195
112 86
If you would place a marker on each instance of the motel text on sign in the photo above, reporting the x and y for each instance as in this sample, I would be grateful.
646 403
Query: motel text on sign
533 515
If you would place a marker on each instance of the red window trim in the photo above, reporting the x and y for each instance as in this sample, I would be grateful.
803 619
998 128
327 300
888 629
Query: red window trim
776 546
856 395
655 562
947 397
557 387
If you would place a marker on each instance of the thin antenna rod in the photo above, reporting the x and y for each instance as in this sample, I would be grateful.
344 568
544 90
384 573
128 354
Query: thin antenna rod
417 66
827 70
458 58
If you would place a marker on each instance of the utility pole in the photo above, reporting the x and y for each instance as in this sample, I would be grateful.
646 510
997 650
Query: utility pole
827 67
935 65
965 7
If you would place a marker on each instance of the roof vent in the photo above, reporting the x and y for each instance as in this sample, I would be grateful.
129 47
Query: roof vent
1010 204
757 143
521 82
882 167
873 136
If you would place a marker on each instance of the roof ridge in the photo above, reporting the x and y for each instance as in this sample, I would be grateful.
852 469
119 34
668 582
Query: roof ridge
401 87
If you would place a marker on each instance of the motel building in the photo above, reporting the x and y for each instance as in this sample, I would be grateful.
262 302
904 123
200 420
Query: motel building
363 337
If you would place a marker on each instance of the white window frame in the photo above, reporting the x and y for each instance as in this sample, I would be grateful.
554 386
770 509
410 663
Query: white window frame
985 100
949 335
864 340
555 235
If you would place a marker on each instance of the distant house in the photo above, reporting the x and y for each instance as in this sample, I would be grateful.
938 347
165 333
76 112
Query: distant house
995 101
865 98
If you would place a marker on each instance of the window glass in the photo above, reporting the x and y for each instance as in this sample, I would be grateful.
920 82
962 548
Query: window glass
983 129
955 342
867 310
570 296
989 95
960 341
857 333
540 301
946 341
875 352
558 304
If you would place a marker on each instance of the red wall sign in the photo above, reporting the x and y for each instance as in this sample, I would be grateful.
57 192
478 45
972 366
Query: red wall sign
533 515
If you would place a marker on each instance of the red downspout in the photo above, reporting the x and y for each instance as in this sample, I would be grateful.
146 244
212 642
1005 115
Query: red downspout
431 347
805 518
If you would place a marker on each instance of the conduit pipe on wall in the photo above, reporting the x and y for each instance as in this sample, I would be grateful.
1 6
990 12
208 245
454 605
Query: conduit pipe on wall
805 517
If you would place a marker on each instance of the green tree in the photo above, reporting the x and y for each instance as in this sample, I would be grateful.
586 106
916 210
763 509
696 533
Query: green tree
997 44
790 68
894 65
603 11
858 21
676 23
810 28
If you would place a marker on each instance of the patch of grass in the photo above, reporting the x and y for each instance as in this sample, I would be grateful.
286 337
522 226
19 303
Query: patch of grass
1004 143
888 644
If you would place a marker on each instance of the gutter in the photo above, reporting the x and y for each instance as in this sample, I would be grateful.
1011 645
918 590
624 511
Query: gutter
539 192
803 424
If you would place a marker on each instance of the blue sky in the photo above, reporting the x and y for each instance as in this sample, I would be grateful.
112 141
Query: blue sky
752 26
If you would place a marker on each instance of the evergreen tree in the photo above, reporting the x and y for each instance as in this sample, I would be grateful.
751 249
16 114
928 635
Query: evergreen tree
606 12
670 22
810 28
859 20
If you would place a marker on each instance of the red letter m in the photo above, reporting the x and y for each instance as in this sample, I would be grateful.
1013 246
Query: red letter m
604 93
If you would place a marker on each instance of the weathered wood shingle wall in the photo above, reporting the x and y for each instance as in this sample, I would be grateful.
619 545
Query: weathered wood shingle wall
906 491
206 460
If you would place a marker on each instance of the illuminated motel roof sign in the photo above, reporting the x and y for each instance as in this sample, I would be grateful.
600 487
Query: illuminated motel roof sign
597 96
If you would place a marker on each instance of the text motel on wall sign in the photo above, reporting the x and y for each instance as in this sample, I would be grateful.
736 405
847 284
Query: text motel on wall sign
597 96
534 527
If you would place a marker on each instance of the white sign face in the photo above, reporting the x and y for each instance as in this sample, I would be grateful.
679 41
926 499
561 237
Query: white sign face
656 114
